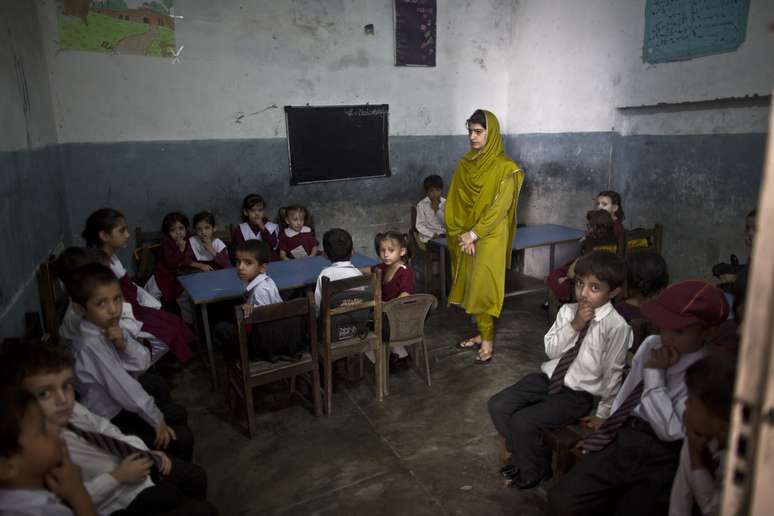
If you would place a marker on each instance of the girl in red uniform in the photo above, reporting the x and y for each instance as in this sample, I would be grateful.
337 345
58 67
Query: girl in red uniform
296 239
255 226
208 250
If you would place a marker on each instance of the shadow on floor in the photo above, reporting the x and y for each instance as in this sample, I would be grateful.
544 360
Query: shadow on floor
423 451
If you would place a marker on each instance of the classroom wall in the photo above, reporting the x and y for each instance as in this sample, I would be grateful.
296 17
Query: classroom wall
32 211
683 142
147 136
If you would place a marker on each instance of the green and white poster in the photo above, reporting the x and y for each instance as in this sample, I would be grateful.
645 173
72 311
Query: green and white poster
117 26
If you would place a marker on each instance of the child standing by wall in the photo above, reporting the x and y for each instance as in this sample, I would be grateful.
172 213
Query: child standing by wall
210 252
699 478
296 240
430 210
586 347
35 471
254 225
632 457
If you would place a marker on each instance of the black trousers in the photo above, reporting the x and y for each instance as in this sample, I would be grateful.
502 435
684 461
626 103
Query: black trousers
632 476
521 412
183 491
157 387
175 416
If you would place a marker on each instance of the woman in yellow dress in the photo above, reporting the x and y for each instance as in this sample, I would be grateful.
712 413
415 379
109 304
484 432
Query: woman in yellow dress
480 225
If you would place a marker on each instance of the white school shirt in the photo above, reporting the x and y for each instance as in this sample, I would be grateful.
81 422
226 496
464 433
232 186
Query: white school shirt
136 357
664 391
201 253
699 485
263 291
144 297
31 502
249 234
107 493
598 368
335 271
429 221
103 382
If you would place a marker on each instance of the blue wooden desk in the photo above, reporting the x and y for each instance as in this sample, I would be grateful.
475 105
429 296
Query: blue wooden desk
223 285
537 235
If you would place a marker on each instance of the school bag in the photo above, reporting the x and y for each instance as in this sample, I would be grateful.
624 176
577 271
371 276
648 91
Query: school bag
351 324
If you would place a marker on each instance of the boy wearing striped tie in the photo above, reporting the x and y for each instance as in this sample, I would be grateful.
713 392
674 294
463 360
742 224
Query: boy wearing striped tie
630 461
586 347
120 473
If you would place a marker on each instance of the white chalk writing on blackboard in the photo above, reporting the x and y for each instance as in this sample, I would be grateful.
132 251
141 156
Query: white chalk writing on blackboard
685 29
366 111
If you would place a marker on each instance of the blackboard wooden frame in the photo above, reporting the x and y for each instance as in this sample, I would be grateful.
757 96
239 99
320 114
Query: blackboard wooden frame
337 143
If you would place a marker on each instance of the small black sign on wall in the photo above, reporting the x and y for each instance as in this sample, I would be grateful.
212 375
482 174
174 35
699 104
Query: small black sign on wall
415 32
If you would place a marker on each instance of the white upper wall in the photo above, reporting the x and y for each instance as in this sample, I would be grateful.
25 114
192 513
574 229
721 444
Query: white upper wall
25 100
575 62
242 57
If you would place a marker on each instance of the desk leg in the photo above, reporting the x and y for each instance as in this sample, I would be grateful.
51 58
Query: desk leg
442 271
208 340
551 259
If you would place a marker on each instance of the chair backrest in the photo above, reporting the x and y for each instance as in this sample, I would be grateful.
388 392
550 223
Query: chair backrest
641 239
371 285
53 298
406 316
300 308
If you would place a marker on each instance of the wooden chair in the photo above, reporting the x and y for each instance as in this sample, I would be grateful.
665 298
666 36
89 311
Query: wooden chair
332 351
243 375
644 239
561 441
406 320
429 257
53 298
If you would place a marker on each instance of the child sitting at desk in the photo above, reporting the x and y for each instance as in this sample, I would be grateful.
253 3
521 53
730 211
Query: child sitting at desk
254 225
337 244
296 239
208 250
610 201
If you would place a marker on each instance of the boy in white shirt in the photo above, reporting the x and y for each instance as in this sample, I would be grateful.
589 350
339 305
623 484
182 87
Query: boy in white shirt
630 461
586 347
430 210
337 244
116 468
106 387
699 478
252 259
36 476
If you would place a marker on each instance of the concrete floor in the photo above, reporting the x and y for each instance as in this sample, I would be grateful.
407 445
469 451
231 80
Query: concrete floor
423 451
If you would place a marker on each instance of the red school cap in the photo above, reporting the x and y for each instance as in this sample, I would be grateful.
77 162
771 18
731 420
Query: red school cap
686 303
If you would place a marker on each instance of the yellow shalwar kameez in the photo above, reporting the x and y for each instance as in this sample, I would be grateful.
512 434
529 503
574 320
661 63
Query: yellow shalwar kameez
482 197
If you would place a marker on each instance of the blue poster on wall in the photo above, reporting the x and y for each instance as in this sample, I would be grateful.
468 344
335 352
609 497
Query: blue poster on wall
676 30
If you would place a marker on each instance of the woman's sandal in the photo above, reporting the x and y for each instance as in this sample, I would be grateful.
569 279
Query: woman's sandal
483 358
469 344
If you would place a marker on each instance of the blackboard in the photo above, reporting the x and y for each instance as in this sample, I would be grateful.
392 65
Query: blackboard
415 34
332 143
684 29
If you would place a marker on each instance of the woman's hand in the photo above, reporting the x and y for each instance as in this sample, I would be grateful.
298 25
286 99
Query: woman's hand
467 243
